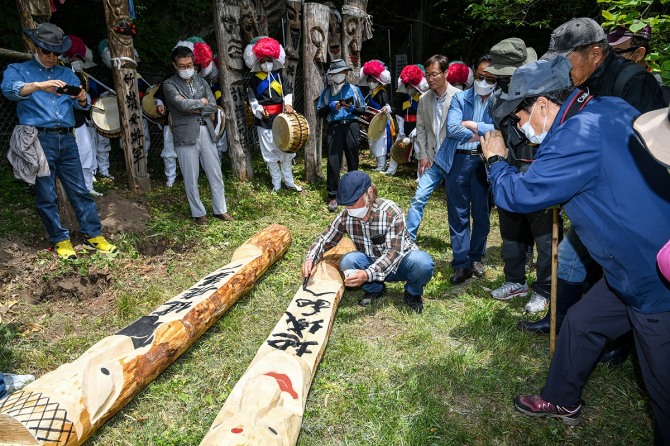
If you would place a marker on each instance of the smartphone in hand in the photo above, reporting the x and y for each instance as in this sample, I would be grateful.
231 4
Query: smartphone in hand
69 90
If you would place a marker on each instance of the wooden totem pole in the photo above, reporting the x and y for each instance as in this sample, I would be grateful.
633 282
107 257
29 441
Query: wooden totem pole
334 33
355 19
231 76
266 405
124 72
65 406
315 63
292 32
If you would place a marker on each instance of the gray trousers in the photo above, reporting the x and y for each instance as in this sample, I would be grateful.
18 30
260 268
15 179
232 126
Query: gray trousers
204 154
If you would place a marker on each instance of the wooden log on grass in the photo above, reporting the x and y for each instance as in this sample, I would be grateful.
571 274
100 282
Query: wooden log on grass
65 406
266 406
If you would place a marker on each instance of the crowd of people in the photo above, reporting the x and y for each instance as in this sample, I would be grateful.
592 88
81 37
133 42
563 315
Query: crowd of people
527 134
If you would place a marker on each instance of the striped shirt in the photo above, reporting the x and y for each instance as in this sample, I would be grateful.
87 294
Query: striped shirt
383 238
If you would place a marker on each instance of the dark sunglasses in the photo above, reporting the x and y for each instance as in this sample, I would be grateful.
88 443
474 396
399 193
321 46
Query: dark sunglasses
489 79
627 50
49 53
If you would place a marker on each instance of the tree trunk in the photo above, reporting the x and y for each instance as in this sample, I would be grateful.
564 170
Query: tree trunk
65 406
127 94
352 37
231 66
267 404
292 31
315 60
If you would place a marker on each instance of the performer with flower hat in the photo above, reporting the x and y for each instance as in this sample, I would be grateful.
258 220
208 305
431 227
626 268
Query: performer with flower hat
376 76
268 97
411 85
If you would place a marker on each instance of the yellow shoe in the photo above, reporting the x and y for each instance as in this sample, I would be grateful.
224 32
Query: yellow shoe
101 244
65 250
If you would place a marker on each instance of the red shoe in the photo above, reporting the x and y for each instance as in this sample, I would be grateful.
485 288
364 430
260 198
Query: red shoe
535 406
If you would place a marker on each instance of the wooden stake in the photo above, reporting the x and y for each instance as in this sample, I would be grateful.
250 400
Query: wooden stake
554 282
267 404
65 406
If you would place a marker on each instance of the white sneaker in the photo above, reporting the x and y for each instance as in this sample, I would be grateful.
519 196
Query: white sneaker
94 193
294 187
16 382
509 290
536 303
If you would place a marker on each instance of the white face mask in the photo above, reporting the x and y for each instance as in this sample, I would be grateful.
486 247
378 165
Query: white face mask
373 85
338 78
77 65
187 73
482 88
411 91
359 212
267 66
528 130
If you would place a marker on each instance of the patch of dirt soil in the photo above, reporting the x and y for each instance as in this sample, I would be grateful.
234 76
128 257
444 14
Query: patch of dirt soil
122 214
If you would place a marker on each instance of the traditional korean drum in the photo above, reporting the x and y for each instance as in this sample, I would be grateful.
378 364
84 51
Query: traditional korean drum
105 116
149 106
401 151
290 132
377 126
219 122
364 123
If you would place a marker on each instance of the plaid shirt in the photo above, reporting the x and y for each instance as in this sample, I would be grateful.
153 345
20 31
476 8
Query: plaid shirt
383 238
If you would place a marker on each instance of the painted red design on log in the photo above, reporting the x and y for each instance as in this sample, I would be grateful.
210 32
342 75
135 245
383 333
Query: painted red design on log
284 383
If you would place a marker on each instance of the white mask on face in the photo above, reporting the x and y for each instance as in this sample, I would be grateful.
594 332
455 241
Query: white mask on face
373 85
187 73
77 65
338 78
482 88
359 212
411 91
528 130
267 66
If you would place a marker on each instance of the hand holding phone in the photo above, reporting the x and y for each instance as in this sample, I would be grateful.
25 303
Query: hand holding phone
69 90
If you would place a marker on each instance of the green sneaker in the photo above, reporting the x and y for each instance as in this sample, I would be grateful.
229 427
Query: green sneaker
101 244
65 250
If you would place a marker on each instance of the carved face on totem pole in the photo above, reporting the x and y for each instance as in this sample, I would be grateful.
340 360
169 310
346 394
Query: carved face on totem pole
230 18
248 24
318 40
334 34
294 25
351 28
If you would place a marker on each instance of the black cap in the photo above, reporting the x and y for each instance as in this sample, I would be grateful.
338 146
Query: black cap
352 186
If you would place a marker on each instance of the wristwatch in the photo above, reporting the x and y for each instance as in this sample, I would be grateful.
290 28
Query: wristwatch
491 160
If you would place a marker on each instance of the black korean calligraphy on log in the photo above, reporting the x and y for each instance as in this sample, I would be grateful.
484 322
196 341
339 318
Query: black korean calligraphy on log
298 325
131 100
129 78
284 341
315 304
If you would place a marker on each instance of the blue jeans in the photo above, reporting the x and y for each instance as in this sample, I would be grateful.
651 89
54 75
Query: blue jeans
3 388
428 182
572 258
62 155
416 268
468 194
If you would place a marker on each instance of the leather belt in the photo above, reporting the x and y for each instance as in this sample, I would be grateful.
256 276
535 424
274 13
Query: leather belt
344 121
467 152
54 129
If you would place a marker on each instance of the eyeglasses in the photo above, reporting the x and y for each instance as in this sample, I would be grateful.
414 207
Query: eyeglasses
489 79
434 75
627 50
185 67
49 53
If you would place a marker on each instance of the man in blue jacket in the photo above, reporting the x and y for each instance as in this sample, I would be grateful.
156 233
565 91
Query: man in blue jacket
617 198
467 188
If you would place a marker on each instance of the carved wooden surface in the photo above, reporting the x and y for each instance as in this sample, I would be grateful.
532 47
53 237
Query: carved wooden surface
292 33
127 93
231 66
67 405
266 406
315 62
352 37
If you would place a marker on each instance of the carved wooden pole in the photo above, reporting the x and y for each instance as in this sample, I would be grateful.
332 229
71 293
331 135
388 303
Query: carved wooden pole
292 32
124 72
65 406
231 65
334 32
353 13
267 404
315 60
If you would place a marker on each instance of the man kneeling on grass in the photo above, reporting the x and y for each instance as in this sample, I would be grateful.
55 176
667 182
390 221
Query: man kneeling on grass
385 252
618 201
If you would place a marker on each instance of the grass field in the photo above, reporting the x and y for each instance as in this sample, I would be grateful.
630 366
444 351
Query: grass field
388 376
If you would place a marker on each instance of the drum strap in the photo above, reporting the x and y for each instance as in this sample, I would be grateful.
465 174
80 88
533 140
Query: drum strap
268 81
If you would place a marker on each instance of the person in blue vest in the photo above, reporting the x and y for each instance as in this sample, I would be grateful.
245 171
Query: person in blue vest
268 97
618 200
340 103
376 77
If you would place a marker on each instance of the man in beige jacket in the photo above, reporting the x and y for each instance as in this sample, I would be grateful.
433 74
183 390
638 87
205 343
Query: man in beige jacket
431 130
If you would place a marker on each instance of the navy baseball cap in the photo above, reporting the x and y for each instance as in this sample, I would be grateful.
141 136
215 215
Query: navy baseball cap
352 185
534 79
573 34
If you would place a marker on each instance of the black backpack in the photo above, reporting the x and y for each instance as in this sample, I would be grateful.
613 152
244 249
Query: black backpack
631 70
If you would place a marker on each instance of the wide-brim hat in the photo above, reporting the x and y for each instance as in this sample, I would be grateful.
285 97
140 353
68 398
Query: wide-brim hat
338 66
575 33
508 55
653 128
352 186
49 37
535 79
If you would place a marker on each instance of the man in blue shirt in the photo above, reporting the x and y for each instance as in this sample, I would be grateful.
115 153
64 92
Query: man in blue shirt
618 201
33 85
340 103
